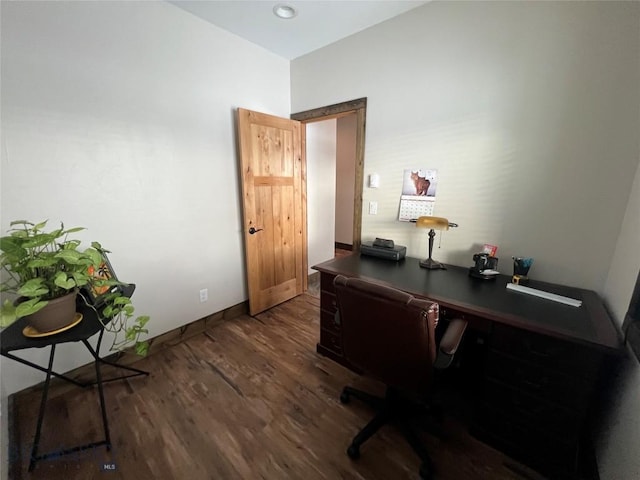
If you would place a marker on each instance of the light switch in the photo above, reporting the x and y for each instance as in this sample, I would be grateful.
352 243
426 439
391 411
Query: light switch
373 208
374 180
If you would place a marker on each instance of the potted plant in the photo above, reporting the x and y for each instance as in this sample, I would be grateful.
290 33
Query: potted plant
46 269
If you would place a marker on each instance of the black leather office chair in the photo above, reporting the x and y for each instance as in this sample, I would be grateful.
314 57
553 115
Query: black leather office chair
390 336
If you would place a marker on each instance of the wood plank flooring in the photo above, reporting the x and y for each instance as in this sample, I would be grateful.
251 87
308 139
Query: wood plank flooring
247 399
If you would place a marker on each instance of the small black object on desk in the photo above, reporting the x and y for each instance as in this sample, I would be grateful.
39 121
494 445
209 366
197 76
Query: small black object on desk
484 263
475 273
12 339
383 248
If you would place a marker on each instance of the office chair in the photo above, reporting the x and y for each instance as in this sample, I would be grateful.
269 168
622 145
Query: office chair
390 336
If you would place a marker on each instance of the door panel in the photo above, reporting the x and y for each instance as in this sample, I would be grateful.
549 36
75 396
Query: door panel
273 188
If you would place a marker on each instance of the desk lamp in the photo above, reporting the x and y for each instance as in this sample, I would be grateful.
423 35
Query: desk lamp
433 223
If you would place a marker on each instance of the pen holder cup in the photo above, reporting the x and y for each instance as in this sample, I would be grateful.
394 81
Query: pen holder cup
521 268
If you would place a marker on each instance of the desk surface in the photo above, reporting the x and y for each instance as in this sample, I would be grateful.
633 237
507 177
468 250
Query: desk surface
589 324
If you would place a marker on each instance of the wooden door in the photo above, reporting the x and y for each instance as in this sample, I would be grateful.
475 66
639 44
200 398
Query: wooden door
274 208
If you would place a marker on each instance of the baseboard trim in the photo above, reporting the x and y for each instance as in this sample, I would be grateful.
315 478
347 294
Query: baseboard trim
344 246
86 373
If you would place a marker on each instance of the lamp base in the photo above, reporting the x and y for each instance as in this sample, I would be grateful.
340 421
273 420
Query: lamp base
431 264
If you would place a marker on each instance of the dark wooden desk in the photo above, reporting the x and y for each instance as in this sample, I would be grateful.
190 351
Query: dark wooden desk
539 362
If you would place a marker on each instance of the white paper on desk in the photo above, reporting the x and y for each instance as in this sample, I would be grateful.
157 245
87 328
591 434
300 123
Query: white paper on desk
542 294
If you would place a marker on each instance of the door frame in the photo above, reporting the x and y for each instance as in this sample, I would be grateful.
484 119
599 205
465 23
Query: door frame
359 107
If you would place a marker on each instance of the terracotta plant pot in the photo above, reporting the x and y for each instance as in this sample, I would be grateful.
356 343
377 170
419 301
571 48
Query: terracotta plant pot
58 313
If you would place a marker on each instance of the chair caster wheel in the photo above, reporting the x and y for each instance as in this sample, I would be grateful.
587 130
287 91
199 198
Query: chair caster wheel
426 473
344 397
353 452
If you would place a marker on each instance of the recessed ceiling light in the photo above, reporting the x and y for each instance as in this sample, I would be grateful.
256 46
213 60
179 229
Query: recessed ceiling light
284 11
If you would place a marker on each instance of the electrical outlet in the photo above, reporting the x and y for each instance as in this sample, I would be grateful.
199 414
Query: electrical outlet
204 295
373 208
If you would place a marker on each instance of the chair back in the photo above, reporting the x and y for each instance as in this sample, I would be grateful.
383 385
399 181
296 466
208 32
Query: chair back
387 333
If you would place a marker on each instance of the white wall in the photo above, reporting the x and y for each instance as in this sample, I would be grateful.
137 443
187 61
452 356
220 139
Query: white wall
321 191
528 110
616 444
623 273
345 177
119 117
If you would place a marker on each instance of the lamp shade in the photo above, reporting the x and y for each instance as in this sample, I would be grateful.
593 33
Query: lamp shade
436 223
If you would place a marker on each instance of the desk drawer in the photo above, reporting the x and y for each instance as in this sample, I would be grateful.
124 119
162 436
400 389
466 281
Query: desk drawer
547 384
567 357
331 341
328 302
533 413
326 282
328 322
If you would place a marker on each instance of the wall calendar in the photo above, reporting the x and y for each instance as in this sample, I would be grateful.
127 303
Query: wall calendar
418 194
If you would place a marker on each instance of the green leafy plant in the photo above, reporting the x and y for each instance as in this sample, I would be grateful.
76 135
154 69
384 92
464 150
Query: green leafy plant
39 266
117 316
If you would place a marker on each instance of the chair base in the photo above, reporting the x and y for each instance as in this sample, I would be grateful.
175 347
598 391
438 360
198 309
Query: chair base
393 408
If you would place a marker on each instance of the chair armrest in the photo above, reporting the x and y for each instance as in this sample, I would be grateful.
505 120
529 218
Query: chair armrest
450 342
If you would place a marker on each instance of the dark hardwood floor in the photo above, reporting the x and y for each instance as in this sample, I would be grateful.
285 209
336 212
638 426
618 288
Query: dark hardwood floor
248 399
341 252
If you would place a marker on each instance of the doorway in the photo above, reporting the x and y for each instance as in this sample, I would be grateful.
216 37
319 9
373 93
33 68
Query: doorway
354 110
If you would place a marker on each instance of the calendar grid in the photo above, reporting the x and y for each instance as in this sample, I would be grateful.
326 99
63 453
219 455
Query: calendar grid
412 207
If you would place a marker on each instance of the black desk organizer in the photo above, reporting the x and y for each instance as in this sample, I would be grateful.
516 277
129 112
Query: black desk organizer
12 339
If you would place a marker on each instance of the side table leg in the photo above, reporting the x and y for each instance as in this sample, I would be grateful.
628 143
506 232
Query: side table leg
103 408
43 402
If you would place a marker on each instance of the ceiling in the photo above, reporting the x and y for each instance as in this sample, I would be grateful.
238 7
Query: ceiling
317 23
